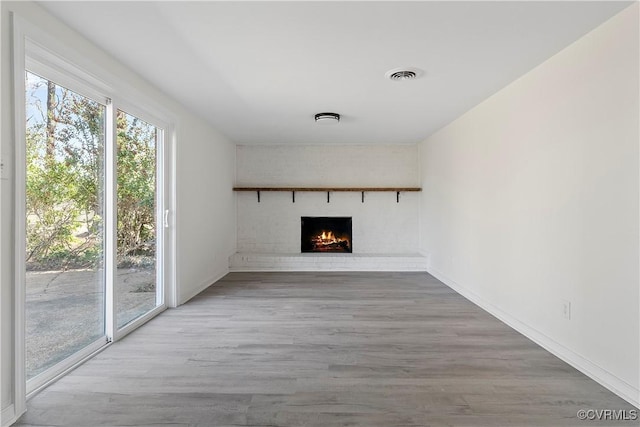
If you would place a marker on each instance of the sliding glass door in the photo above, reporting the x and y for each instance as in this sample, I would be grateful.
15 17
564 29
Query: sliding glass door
65 286
138 242
94 224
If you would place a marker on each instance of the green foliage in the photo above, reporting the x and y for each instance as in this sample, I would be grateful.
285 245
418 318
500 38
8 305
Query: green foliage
64 187
136 168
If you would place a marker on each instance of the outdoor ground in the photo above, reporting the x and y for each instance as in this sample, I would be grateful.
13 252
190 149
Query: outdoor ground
65 310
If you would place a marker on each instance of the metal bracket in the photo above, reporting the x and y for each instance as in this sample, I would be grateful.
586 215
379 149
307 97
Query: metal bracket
258 196
293 196
397 197
363 197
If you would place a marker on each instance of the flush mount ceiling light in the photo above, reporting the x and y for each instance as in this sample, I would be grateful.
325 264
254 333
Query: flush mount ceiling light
401 74
327 118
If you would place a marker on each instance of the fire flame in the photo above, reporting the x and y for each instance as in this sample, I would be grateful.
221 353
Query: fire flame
328 238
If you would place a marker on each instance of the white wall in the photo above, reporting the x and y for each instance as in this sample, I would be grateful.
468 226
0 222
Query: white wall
380 225
206 207
531 198
204 168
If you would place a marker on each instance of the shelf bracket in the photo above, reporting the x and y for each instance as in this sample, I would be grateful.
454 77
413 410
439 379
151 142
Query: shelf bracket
328 197
293 196
363 197
397 197
258 192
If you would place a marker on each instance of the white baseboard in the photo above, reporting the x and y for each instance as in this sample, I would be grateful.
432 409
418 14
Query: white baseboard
595 372
204 285
8 416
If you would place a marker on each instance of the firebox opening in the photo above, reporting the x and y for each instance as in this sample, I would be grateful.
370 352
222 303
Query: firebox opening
326 234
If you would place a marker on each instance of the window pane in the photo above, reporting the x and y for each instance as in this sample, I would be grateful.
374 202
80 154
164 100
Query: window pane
64 224
136 202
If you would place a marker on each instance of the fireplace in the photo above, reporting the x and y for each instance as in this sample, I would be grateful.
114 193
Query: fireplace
325 234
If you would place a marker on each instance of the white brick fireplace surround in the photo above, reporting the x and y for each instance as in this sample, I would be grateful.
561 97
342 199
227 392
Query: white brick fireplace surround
385 231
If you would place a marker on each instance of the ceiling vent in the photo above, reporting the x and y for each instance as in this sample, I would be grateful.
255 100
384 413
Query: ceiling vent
401 74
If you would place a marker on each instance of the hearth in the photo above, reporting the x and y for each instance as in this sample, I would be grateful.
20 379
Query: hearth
325 234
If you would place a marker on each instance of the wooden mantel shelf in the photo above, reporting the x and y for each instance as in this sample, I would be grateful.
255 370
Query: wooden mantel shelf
330 189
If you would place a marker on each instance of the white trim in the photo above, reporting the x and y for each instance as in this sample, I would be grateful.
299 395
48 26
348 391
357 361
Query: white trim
60 75
204 285
2 166
135 109
59 65
2 160
133 101
161 227
8 416
47 49
110 222
139 321
171 283
58 370
595 372
19 370
100 349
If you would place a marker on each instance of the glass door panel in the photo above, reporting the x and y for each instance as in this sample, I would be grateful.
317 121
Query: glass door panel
65 286
137 212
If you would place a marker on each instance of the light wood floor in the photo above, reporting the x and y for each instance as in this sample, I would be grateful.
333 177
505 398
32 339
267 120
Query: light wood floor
330 349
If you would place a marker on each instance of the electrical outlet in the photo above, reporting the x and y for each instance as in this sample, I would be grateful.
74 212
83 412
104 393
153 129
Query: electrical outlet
566 309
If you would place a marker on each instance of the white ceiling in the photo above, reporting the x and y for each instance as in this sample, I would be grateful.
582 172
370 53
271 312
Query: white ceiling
259 71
